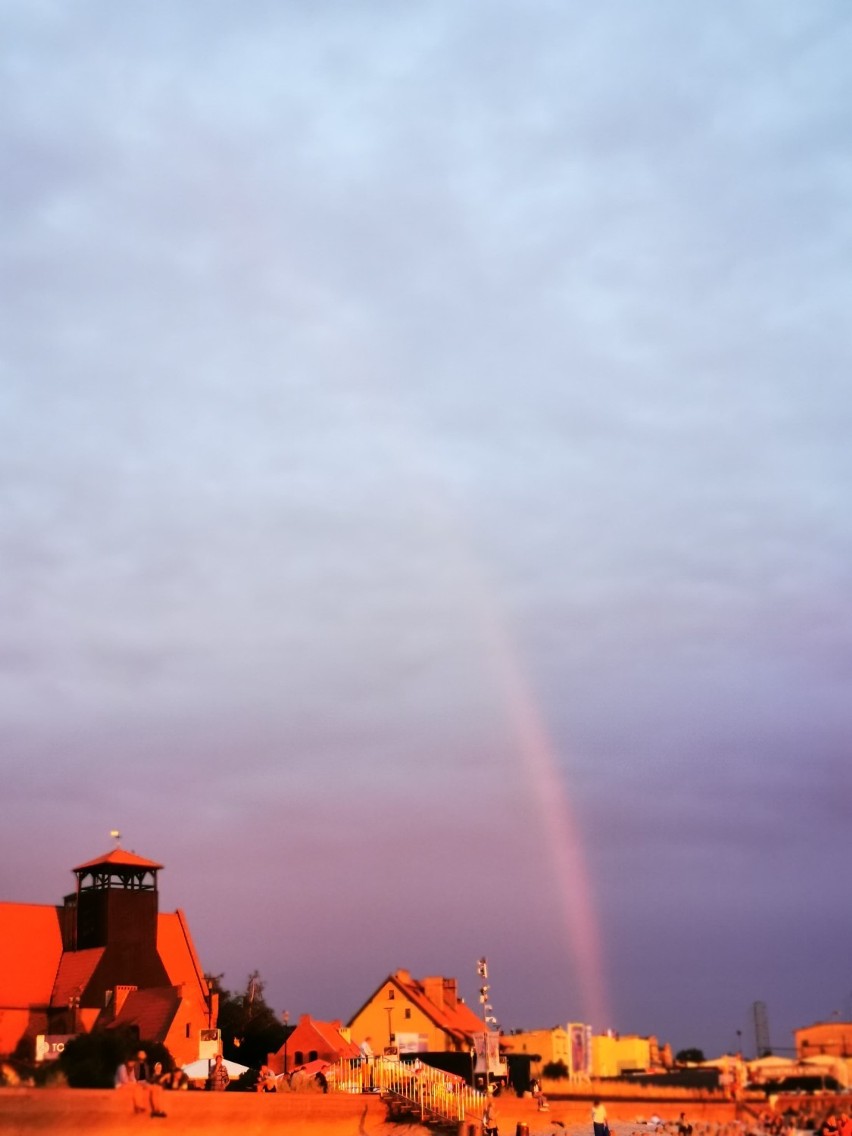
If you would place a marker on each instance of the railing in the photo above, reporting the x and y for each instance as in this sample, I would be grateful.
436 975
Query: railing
432 1092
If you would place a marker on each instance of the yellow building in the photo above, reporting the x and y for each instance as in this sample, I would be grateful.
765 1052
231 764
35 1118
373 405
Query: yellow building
614 1054
416 1016
544 1047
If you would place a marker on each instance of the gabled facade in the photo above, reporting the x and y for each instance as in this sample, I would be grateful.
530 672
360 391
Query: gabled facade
105 958
311 1041
416 1016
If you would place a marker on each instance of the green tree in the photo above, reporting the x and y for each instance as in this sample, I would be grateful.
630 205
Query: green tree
250 1028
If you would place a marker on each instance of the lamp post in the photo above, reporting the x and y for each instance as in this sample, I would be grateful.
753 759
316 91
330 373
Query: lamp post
286 1019
389 1012
73 1007
482 972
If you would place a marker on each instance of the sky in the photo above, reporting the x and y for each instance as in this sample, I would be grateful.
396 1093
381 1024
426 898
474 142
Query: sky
425 465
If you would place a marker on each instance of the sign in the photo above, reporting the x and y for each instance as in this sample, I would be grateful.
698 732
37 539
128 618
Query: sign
209 1044
412 1042
391 1052
50 1045
486 1051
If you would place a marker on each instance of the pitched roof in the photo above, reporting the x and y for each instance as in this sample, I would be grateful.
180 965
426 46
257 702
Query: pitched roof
150 1011
322 1036
75 973
119 858
177 952
337 1043
30 950
458 1020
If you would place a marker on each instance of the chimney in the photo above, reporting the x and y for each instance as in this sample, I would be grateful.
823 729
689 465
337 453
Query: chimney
451 992
433 988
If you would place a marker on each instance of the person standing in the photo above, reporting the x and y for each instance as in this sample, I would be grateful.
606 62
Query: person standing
220 1078
489 1116
600 1124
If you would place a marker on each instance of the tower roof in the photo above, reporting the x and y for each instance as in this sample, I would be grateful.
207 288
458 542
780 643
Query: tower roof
119 858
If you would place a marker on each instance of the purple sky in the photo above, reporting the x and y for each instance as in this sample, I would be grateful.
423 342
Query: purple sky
425 497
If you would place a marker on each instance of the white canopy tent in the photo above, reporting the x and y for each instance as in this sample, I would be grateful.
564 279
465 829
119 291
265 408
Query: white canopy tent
199 1070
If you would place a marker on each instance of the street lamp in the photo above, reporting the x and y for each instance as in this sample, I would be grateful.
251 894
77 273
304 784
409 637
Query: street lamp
73 1007
389 1012
286 1018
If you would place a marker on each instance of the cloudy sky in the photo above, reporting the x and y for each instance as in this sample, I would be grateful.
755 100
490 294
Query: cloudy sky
425 480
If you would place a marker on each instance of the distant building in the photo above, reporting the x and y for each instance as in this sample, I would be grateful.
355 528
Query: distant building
568 1046
614 1055
311 1041
543 1047
830 1039
825 1049
104 959
416 1016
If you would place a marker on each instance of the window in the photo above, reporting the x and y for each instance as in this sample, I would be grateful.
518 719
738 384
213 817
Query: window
408 1013
312 1056
299 1057
391 994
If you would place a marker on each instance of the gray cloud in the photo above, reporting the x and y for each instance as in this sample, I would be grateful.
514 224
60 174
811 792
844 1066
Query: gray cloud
346 352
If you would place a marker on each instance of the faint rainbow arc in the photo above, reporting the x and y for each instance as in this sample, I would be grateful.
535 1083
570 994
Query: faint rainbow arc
562 832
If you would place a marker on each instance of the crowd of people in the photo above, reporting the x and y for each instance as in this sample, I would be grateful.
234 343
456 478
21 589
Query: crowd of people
144 1081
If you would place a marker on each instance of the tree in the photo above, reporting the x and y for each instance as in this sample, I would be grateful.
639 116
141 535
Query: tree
250 1028
689 1056
89 1061
555 1070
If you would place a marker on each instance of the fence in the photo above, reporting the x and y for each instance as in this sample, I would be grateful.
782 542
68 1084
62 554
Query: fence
431 1092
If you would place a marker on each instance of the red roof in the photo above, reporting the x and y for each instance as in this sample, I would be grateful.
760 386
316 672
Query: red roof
151 1011
323 1037
30 950
75 973
177 952
120 859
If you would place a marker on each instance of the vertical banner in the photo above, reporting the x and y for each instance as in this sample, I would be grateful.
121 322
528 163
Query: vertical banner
486 1049
580 1049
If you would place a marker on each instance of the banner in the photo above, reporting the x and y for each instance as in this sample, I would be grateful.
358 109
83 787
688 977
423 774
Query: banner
580 1049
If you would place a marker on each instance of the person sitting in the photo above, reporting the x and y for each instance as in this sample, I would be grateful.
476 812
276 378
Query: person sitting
147 1085
266 1081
